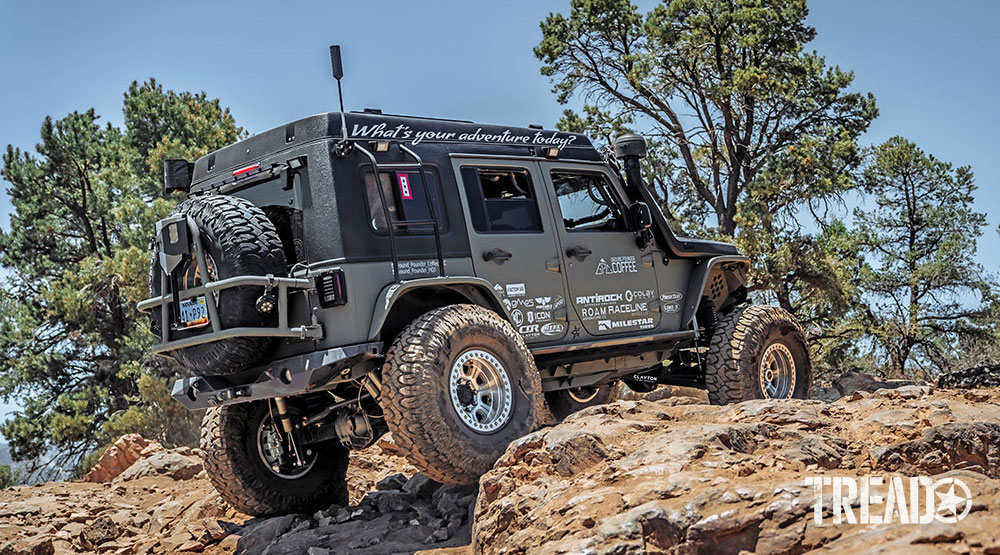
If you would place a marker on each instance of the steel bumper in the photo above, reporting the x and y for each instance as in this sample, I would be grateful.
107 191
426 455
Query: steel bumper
290 376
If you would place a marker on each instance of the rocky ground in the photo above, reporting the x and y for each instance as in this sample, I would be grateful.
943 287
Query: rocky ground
669 475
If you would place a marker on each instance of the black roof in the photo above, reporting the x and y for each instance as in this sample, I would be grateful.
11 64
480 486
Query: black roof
416 132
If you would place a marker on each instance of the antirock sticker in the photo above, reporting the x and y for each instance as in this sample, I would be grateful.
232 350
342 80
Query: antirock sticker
617 265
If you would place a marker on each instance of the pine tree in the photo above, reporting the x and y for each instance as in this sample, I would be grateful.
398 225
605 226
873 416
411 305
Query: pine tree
926 296
76 351
758 134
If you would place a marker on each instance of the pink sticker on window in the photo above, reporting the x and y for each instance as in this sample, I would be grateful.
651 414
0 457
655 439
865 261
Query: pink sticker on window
404 187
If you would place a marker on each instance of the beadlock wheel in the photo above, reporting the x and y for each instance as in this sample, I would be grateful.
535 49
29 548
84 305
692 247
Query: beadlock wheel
458 386
777 372
480 391
242 446
757 352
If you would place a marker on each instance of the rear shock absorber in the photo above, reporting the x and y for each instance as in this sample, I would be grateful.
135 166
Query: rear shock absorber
286 424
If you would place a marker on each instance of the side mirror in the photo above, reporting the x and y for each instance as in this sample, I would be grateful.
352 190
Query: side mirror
642 218
177 175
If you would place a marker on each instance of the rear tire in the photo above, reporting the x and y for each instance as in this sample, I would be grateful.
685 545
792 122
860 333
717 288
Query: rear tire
757 352
236 466
239 240
565 402
458 386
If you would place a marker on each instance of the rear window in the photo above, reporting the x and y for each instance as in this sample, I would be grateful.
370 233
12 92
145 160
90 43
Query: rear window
501 200
405 198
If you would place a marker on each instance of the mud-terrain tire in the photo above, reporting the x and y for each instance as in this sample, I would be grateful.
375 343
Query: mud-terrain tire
229 439
750 344
240 239
421 405
565 402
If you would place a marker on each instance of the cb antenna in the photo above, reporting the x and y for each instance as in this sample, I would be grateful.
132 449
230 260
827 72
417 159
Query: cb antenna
338 73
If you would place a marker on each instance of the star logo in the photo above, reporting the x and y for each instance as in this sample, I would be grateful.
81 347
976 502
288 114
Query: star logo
950 501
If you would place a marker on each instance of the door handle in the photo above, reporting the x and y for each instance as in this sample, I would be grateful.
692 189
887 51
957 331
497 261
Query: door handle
579 253
497 255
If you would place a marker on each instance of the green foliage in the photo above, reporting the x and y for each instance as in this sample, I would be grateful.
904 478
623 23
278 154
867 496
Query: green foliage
926 295
76 351
754 131
6 477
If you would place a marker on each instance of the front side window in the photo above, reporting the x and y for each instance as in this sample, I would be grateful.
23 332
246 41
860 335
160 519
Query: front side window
501 200
586 202
404 198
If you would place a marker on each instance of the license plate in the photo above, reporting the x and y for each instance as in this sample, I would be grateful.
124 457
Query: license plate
194 312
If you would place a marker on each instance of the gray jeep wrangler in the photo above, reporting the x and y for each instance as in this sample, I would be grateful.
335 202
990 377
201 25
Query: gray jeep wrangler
456 284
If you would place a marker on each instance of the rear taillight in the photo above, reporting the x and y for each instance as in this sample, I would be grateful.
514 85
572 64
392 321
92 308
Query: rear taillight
332 288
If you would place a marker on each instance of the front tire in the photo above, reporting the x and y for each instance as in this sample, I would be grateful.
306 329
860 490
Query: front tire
458 386
757 352
255 475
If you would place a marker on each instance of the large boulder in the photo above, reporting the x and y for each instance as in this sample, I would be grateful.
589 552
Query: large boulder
850 382
121 455
179 464
980 376
663 477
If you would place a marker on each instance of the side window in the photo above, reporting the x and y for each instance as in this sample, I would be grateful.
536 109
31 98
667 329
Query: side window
586 202
405 199
501 200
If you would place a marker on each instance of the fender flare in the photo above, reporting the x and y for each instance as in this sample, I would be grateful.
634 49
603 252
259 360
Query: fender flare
395 291
699 278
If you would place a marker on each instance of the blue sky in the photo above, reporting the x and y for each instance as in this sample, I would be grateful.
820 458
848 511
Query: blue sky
932 66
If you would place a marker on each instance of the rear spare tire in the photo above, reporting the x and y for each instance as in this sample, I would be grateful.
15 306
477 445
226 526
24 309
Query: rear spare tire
458 385
238 240
757 352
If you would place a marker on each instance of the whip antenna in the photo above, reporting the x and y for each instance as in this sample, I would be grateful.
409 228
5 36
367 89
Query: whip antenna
338 73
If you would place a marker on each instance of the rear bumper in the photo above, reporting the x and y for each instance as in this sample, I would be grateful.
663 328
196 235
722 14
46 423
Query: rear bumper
290 376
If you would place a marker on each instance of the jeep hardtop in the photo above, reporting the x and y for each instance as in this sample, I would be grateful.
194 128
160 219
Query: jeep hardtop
455 283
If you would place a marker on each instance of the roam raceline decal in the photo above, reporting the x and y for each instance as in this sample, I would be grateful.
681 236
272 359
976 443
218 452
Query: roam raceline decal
629 309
